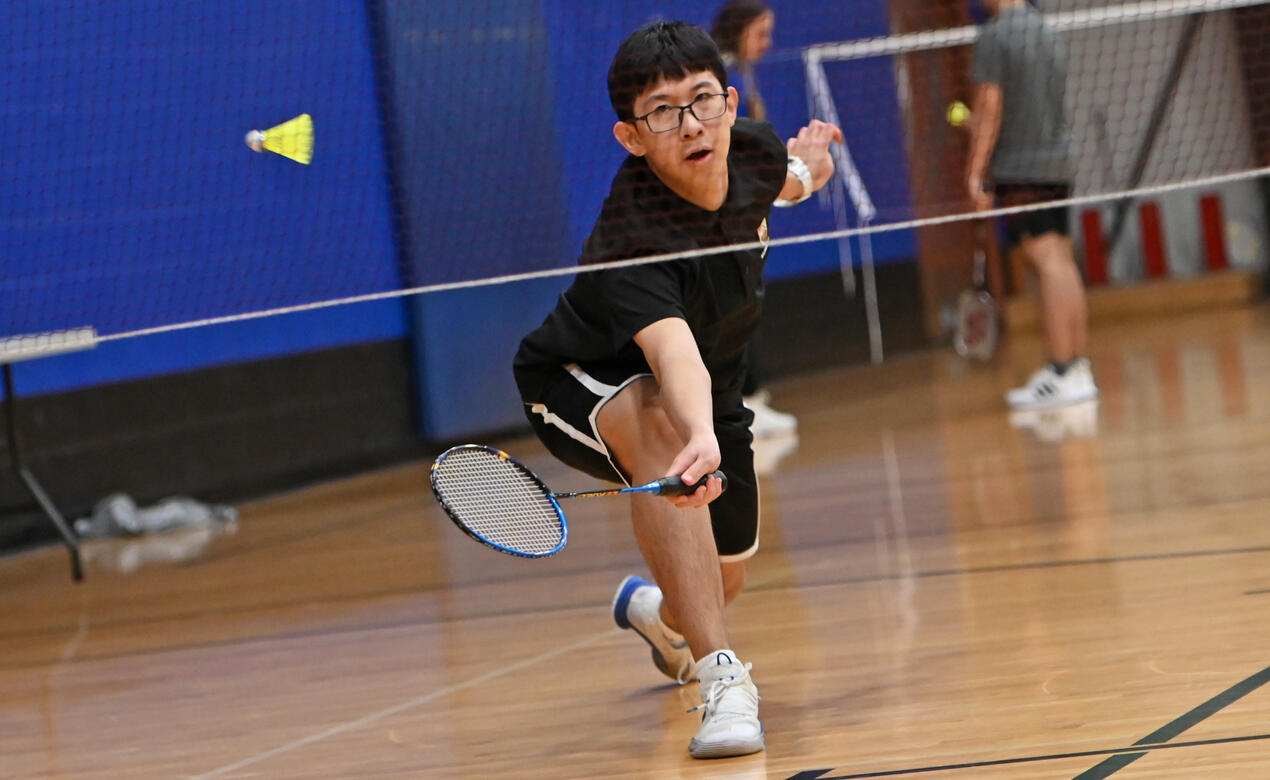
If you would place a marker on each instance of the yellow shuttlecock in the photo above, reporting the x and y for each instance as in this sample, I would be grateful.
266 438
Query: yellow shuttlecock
292 139
958 113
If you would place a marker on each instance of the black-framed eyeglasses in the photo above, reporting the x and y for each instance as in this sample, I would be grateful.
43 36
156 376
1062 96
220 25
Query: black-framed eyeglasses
706 106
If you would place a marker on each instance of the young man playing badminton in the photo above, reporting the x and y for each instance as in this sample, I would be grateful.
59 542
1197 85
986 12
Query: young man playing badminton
637 372
1020 141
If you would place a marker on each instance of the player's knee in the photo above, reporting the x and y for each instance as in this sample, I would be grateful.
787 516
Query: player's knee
659 439
644 443
1048 253
637 429
1047 244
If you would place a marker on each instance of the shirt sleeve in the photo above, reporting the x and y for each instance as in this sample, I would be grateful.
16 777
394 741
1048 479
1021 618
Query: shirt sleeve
637 296
989 59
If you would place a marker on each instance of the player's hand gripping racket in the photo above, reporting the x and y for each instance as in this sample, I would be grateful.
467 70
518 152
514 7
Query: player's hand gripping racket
502 504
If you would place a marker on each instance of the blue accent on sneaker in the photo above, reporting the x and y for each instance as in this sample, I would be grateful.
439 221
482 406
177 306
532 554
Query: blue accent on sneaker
623 600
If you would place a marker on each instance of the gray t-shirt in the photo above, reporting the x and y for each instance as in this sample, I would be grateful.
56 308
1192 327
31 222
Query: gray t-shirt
1017 52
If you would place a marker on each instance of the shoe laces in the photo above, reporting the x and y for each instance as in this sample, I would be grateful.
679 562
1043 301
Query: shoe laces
714 692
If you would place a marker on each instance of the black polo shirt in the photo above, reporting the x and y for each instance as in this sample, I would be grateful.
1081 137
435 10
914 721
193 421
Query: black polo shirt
718 295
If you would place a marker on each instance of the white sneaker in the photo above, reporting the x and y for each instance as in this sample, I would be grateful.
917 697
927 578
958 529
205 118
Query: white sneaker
769 451
1046 388
730 724
768 421
637 606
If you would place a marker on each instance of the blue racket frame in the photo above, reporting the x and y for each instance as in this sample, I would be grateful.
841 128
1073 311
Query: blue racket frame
664 486
564 525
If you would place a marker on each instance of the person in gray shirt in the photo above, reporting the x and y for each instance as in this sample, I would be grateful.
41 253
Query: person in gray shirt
1020 155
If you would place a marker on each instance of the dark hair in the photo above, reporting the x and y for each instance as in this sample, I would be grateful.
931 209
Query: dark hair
731 20
656 51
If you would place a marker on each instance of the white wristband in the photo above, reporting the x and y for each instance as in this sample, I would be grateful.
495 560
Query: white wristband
799 168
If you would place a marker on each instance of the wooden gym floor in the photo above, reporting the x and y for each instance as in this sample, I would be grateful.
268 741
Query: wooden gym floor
943 592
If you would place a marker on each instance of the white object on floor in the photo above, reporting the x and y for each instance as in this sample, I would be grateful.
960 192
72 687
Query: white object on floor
768 421
1074 421
1046 388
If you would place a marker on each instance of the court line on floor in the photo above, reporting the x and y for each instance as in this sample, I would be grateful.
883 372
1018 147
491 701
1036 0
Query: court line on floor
415 702
993 569
1175 727
819 774
1117 758
778 582
407 705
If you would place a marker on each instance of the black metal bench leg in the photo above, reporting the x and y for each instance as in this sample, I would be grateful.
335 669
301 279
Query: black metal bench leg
32 484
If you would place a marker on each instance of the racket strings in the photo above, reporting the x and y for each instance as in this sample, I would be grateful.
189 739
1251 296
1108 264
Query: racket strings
498 501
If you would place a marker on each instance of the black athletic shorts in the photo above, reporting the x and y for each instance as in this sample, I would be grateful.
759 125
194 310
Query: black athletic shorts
1033 224
564 417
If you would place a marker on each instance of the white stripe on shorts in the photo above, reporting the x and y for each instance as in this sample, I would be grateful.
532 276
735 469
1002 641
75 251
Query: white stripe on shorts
573 433
605 392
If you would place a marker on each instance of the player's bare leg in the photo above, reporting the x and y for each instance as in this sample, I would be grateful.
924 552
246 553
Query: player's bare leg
1066 379
733 574
1064 311
677 544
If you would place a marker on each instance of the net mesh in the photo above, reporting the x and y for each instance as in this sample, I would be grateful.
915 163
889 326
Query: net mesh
459 143
498 501
1147 93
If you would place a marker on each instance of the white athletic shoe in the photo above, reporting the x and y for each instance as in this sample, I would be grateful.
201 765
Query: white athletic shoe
730 724
768 421
637 606
769 451
1046 388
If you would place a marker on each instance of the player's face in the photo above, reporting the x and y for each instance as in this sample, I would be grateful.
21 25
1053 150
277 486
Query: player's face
756 38
693 158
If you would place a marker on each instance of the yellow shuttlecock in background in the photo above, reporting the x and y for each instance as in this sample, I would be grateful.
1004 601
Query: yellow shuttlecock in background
292 139
958 113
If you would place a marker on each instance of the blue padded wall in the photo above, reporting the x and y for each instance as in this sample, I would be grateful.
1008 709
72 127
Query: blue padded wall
510 175
129 200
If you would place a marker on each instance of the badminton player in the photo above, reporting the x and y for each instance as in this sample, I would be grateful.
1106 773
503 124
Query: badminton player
636 374
1020 142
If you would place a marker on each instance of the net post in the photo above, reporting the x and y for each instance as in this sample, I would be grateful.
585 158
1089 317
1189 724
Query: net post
847 183
29 347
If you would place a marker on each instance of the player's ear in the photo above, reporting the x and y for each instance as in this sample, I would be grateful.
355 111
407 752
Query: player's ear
628 136
734 100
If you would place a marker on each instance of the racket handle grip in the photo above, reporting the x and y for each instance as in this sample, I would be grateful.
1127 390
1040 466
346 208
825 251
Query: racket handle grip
674 486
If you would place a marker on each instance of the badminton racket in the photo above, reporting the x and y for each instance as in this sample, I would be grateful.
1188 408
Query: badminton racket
500 503
978 322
